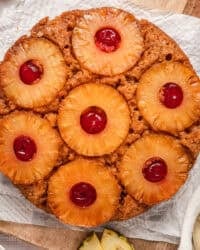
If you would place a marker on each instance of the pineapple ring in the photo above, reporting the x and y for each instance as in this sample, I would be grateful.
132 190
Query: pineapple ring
159 116
118 119
131 168
47 142
94 173
52 80
97 61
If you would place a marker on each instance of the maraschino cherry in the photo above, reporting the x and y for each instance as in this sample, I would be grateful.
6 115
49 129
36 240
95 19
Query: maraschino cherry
154 169
93 120
83 194
107 39
30 72
24 148
171 95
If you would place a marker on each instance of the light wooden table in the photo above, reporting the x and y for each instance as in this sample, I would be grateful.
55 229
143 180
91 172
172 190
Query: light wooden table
51 238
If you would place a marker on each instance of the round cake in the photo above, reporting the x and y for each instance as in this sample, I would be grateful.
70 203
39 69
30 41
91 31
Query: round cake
99 116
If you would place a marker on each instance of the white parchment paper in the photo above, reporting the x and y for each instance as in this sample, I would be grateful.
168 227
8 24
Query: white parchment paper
164 221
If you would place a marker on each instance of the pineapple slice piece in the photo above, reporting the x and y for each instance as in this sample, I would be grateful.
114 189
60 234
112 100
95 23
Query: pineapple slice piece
113 241
168 96
97 115
107 41
28 147
91 243
196 233
83 193
154 168
33 72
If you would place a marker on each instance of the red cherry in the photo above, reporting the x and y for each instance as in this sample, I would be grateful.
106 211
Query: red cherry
83 194
107 39
24 147
29 72
155 169
93 120
171 95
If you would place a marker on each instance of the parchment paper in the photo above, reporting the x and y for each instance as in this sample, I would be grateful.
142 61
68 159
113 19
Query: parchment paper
164 221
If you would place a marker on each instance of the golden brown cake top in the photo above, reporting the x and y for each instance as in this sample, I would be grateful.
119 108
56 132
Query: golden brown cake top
99 115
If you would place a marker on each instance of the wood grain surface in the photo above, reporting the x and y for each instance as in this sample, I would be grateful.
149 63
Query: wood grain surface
172 5
49 238
192 8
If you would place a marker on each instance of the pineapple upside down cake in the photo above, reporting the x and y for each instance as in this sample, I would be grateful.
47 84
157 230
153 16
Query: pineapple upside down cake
99 116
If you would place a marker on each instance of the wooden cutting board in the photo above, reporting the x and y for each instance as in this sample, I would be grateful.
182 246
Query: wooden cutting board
49 238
